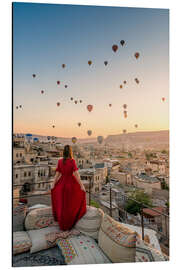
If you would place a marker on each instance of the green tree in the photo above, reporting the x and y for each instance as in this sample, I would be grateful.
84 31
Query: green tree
95 204
129 154
141 197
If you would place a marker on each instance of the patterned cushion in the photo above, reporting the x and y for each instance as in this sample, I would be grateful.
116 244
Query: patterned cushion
38 238
117 241
146 253
90 223
19 213
81 249
21 242
40 218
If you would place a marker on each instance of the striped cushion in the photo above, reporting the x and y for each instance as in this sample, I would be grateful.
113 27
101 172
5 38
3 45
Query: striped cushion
39 218
117 241
146 253
90 223
81 249
21 242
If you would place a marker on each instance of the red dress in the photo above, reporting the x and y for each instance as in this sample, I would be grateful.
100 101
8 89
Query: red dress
67 197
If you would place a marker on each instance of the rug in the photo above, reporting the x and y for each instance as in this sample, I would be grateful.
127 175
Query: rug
51 256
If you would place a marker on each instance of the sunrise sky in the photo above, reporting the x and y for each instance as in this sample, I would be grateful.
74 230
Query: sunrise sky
46 36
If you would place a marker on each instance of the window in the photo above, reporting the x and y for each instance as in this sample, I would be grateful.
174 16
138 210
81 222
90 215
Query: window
25 174
29 174
38 173
20 154
16 154
16 175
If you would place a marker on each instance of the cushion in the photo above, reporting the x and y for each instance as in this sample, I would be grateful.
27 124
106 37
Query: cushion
146 253
21 242
117 241
38 238
19 213
81 249
90 223
37 206
40 218
149 234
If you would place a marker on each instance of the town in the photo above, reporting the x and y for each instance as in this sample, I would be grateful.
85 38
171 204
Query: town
118 177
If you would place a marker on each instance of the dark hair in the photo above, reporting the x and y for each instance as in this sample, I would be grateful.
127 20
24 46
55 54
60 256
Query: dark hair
67 152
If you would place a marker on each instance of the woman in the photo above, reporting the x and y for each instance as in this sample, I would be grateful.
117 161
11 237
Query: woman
68 194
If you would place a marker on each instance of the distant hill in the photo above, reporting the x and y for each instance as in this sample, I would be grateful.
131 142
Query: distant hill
140 137
144 137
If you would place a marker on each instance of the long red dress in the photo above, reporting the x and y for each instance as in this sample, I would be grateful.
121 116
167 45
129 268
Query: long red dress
67 197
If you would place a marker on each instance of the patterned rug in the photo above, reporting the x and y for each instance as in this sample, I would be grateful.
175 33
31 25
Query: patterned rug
51 256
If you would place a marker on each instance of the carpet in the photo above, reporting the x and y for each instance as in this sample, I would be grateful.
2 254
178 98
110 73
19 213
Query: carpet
51 256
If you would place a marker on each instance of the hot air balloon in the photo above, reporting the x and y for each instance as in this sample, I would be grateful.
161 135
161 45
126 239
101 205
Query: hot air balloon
100 139
125 106
135 125
136 80
122 42
63 65
71 98
121 86
65 86
29 137
89 62
34 75
42 91
125 82
105 62
75 101
53 126
89 108
110 105
114 47
79 124
58 103
74 140
124 130
16 107
80 101
35 139
89 132
58 82
48 137
125 115
136 55
163 99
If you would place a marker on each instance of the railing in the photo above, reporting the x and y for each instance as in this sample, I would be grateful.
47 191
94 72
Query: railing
141 222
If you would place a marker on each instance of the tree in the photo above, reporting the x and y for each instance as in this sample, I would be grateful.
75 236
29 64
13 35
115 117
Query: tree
164 185
129 154
134 207
95 204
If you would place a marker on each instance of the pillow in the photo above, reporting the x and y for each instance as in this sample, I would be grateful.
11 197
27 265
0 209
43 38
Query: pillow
37 206
21 242
19 213
81 249
146 253
90 223
117 241
40 218
38 238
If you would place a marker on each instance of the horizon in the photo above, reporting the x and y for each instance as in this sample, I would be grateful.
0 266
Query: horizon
48 35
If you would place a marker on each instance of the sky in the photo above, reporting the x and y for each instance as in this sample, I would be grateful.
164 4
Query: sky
47 35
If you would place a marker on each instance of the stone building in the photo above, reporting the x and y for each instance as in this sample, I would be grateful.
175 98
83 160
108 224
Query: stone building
94 177
26 175
146 182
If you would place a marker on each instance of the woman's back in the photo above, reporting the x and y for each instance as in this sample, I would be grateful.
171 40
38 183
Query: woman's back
67 166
